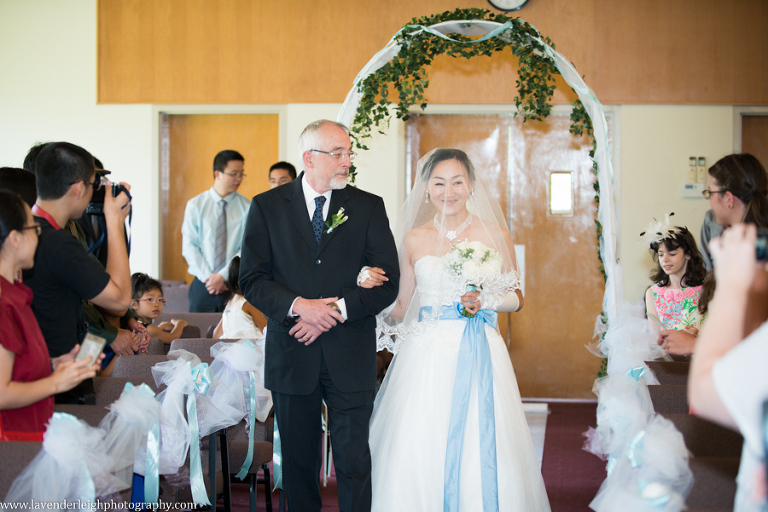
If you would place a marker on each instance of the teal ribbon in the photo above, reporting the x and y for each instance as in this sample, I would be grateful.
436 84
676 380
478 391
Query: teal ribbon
277 458
201 375
636 373
474 351
250 397
152 465
634 448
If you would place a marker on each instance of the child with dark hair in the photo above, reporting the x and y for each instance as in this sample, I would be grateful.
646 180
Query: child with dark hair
147 302
672 301
240 319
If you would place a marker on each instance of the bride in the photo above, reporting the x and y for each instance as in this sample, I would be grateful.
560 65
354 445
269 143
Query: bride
448 430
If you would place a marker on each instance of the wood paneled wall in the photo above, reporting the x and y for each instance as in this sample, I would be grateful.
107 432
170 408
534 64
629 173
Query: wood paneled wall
309 51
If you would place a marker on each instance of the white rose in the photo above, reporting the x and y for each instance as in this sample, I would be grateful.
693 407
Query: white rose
479 247
471 272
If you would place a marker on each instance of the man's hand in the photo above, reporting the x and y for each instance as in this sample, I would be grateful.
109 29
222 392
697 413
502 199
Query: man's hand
125 341
304 332
116 208
215 284
371 277
138 328
318 313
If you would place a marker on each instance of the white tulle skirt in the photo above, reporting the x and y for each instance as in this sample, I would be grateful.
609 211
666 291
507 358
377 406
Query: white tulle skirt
409 430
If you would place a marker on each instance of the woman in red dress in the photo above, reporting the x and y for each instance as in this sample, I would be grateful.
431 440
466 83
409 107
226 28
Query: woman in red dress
28 376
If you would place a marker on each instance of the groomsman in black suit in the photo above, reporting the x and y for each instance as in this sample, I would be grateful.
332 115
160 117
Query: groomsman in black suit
299 266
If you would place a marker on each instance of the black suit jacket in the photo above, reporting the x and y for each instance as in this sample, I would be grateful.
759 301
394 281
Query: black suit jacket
281 261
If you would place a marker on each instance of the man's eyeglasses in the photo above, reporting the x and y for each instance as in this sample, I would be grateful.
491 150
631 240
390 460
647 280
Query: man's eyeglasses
337 155
708 193
36 226
161 300
96 184
240 175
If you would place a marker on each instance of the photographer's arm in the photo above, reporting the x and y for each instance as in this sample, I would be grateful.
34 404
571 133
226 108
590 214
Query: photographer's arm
117 294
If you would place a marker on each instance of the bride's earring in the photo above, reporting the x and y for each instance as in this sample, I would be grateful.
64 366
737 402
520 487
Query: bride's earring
426 200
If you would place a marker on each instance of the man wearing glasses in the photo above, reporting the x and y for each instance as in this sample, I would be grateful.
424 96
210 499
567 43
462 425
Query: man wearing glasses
64 274
305 243
212 232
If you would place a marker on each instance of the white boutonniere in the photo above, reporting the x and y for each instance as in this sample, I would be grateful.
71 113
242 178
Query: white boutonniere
335 221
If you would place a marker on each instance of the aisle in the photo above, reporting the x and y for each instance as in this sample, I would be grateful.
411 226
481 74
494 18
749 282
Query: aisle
572 476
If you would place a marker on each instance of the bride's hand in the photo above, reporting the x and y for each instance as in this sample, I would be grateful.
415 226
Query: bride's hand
471 302
371 277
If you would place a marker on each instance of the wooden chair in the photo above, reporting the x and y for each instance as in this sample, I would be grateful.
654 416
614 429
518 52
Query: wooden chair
198 346
178 298
204 321
16 455
140 366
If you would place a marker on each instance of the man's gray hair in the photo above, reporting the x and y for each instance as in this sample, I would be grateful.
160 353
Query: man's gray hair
310 137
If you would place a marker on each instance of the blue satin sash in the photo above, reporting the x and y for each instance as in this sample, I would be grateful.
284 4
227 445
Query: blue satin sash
474 352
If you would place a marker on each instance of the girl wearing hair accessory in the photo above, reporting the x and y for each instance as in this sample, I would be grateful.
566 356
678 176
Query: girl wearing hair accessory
27 382
147 303
672 301
448 429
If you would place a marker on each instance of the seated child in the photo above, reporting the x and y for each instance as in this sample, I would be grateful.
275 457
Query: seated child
148 303
240 319
672 301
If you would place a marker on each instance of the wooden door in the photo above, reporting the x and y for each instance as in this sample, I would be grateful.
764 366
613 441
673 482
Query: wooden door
189 144
563 284
754 136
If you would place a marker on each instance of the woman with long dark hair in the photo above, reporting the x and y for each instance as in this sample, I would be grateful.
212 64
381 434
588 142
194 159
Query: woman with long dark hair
28 376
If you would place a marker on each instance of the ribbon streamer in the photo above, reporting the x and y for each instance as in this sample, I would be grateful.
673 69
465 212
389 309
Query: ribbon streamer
474 352
250 396
152 465
201 376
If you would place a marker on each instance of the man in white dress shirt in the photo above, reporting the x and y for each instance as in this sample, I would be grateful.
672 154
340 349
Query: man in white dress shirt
213 232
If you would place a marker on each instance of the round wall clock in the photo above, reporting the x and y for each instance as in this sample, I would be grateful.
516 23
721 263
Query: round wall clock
508 5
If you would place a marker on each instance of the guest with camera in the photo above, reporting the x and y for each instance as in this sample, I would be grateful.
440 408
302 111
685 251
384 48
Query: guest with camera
64 274
728 383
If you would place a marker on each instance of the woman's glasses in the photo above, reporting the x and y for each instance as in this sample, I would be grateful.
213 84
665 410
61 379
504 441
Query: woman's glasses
36 226
161 300
708 193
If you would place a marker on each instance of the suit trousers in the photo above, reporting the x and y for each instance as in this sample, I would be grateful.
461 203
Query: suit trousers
200 301
299 417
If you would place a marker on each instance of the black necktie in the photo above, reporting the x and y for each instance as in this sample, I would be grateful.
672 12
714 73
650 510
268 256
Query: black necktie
317 218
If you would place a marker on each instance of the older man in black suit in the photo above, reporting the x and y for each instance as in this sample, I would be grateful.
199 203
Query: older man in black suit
301 271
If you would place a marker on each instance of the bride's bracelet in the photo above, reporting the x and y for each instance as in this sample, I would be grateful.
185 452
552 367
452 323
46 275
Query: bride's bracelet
363 276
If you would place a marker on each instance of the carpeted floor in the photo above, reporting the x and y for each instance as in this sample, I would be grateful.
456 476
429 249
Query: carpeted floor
571 475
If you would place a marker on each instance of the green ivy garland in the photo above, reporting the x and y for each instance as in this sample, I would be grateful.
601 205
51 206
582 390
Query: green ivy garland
406 76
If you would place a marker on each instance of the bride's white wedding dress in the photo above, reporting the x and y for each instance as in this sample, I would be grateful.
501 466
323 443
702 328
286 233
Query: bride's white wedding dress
410 422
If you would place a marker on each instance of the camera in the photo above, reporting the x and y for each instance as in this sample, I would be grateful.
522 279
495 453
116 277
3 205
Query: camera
96 206
761 244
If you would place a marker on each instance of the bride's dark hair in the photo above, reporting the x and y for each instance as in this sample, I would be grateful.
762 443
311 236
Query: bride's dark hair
443 154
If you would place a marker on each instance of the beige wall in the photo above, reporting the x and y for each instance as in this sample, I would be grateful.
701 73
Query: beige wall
655 145
48 92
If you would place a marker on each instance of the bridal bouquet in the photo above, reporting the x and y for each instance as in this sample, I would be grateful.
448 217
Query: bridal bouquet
473 264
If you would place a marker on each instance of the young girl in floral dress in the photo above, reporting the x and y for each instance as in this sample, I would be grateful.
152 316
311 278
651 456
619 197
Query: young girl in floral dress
672 301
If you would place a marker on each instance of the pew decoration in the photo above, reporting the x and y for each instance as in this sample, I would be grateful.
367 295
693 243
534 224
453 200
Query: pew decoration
647 461
73 466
